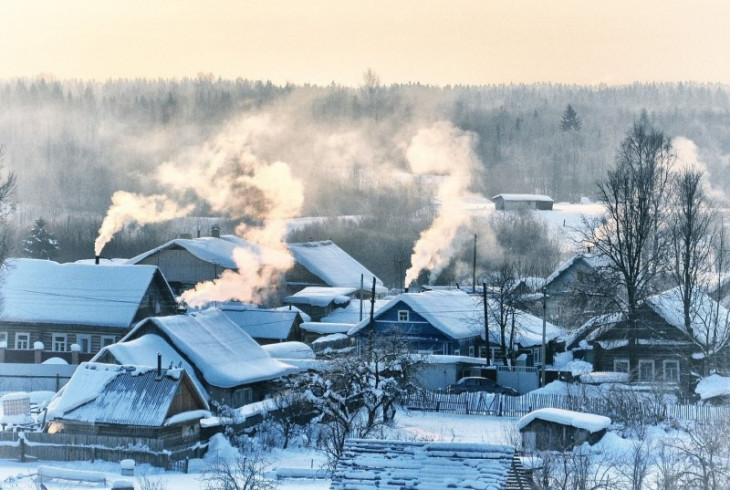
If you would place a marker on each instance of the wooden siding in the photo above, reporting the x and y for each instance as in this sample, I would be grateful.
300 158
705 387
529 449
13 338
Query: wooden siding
182 269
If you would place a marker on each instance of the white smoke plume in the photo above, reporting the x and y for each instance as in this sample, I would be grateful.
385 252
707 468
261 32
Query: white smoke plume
688 157
446 151
232 179
128 207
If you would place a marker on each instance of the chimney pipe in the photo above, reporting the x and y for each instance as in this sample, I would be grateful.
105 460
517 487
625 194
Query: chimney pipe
215 231
159 365
96 259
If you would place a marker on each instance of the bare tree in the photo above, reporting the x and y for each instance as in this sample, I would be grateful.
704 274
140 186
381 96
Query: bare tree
691 231
501 308
245 472
632 234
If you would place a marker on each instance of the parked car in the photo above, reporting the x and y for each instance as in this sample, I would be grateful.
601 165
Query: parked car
477 383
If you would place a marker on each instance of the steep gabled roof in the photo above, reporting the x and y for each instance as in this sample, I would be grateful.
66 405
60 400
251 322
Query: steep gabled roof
586 421
594 261
43 291
215 250
334 266
451 312
112 394
708 317
225 354
459 316
429 465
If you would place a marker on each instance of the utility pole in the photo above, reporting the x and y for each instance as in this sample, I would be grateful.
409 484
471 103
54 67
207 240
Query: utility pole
474 268
544 314
362 292
486 320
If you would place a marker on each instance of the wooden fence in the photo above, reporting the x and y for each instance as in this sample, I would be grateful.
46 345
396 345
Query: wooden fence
517 406
27 446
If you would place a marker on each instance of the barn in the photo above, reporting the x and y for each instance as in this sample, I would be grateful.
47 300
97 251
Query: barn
555 429
515 202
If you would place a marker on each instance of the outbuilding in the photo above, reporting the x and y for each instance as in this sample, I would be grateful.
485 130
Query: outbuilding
555 429
514 202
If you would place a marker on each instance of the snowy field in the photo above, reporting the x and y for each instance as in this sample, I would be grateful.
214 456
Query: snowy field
409 426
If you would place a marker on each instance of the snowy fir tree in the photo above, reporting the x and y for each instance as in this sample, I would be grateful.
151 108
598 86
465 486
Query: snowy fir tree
40 243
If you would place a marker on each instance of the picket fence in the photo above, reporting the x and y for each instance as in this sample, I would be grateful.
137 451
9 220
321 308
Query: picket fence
479 403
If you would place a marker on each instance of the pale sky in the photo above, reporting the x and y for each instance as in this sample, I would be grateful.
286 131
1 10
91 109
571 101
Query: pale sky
320 41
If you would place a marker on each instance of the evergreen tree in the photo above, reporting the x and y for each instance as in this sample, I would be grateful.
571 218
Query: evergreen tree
40 243
570 120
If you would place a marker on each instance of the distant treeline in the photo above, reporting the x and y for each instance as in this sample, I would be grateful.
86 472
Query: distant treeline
73 143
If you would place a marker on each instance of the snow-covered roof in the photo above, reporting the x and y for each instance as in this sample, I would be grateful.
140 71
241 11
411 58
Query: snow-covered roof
321 296
594 261
43 291
425 465
114 394
524 197
351 313
451 312
225 354
216 250
709 319
712 386
459 316
289 350
325 328
142 351
262 323
586 421
334 266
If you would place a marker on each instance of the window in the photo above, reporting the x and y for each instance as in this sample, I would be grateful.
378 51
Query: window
241 397
495 353
646 370
59 342
4 338
621 365
107 340
471 351
84 342
482 351
22 340
457 352
537 355
402 315
671 371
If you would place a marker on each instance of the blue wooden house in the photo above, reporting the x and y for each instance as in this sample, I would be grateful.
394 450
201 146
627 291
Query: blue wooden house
434 322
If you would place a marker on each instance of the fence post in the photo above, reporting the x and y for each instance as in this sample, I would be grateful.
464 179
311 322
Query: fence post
187 464
22 449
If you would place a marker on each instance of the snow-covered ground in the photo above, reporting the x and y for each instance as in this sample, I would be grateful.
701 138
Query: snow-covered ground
410 426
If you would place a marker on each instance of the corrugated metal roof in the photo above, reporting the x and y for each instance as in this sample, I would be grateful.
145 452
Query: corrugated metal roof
133 397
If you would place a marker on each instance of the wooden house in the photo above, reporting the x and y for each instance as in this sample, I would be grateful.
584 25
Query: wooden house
399 465
515 202
318 302
266 325
578 290
324 264
48 307
129 401
452 323
555 429
223 360
658 348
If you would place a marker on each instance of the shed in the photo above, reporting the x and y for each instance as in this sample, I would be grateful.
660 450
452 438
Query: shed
555 429
514 202
129 401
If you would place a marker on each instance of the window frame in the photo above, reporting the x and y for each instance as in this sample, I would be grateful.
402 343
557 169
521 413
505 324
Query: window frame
79 338
104 341
403 316
621 360
646 362
665 363
59 339
17 341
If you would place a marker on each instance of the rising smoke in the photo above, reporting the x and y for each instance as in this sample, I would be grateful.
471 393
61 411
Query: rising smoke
128 207
447 152
688 157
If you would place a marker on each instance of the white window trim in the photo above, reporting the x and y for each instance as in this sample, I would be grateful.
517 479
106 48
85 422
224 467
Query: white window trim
406 314
87 337
646 362
105 340
27 335
4 337
664 367
471 351
55 338
622 360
